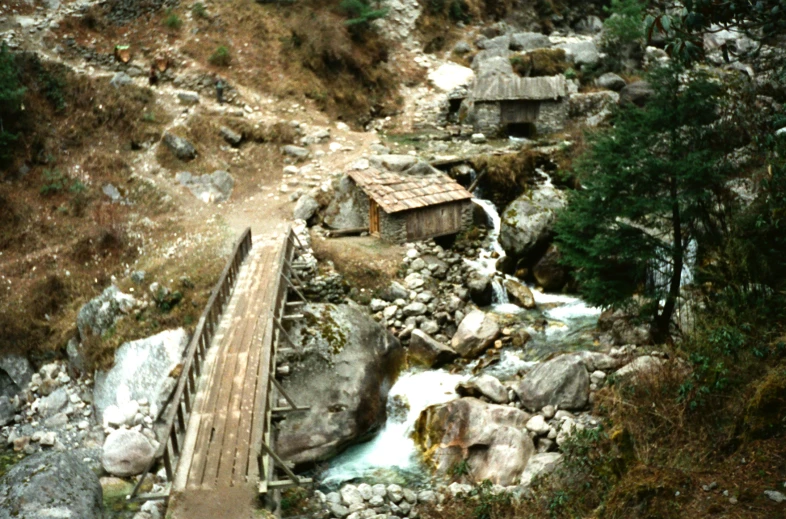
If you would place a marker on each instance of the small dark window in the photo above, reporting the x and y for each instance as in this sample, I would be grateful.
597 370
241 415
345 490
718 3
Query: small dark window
454 105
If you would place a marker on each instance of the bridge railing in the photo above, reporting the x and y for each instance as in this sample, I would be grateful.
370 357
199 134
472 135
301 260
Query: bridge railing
177 412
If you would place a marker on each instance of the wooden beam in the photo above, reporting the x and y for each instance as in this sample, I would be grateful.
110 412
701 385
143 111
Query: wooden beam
338 233
281 464
286 396
293 317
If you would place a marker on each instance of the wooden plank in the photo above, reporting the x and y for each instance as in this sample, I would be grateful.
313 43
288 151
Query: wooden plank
237 354
241 429
198 465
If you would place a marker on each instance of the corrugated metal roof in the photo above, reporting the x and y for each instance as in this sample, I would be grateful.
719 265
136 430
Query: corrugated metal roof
512 88
395 192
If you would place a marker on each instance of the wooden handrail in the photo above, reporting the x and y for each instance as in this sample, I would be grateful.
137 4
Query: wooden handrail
197 347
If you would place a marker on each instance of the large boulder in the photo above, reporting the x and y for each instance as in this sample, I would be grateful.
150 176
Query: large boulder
527 223
305 208
180 147
99 314
593 107
486 65
349 363
549 272
491 439
427 351
475 333
562 382
450 76
637 93
611 81
348 206
526 41
51 485
127 453
520 294
483 386
581 52
540 465
144 369
481 289
213 188
395 163
15 374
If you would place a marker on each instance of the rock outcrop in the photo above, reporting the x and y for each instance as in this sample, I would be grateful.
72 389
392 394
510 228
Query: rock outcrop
475 333
491 439
143 370
527 223
15 374
49 485
348 365
562 382
127 453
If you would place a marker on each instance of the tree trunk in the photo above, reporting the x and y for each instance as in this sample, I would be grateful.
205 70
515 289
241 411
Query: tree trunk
660 327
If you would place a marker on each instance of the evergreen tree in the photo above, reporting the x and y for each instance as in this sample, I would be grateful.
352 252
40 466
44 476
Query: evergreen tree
11 94
650 186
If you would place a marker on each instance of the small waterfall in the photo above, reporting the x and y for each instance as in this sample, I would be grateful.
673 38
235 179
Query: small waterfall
487 258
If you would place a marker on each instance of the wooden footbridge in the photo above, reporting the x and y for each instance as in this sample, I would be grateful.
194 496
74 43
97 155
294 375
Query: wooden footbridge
218 448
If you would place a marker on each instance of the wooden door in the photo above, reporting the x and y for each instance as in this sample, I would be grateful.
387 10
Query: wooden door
373 218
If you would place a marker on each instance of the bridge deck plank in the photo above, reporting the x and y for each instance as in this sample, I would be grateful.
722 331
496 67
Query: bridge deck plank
218 448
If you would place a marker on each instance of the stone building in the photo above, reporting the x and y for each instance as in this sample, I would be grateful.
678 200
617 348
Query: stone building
401 207
520 106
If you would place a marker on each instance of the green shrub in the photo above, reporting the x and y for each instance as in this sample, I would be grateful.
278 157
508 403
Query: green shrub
198 10
360 14
11 94
172 20
220 57
54 182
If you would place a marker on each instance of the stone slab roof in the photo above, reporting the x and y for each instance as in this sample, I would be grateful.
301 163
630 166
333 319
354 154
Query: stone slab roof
396 192
514 88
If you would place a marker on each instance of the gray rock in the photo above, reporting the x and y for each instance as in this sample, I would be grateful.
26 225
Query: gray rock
425 350
611 81
15 374
347 207
51 485
540 465
127 453
296 152
562 382
462 47
484 385
549 272
99 314
142 370
520 294
395 163
120 79
637 93
498 42
7 411
395 493
591 24
582 52
430 327
774 495
475 333
54 403
112 192
394 291
232 137
188 97
213 188
305 208
490 438
527 222
350 495
415 308
347 368
480 289
526 41
490 66
640 366
337 509
180 147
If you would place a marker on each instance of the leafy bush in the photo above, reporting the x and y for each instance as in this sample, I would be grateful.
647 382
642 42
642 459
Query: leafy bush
221 57
172 21
54 182
361 13
623 31
198 10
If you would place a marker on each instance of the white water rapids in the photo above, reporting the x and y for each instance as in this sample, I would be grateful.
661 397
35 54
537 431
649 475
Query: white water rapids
392 451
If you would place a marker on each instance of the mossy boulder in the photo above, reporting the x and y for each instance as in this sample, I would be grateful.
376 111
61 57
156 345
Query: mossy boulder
344 372
766 410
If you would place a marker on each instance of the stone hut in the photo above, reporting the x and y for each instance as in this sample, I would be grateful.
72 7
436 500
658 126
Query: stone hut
401 207
520 106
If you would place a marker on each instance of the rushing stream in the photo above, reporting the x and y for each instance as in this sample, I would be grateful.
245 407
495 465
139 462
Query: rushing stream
555 325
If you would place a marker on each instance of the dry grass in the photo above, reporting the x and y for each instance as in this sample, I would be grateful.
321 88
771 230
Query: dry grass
366 263
540 62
